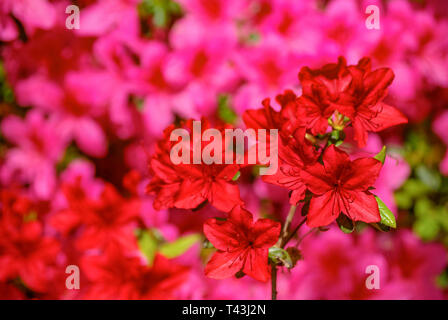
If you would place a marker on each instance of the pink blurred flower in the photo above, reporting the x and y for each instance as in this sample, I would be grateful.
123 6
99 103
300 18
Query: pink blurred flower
107 15
39 146
334 267
415 265
153 84
32 14
200 63
213 11
440 127
267 68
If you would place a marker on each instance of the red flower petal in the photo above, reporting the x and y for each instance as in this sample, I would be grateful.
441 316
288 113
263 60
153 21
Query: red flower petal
225 195
222 234
324 210
256 265
363 208
224 264
387 117
266 233
361 174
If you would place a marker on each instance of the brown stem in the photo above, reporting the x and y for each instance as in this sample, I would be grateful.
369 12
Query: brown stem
288 221
289 237
305 235
273 281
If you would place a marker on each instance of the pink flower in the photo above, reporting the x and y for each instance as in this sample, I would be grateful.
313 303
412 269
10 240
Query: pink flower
213 11
152 83
344 30
334 267
296 23
268 69
73 106
200 63
440 126
32 14
39 146
107 15
415 264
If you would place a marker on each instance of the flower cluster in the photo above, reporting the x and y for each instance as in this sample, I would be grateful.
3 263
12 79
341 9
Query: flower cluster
336 95
86 178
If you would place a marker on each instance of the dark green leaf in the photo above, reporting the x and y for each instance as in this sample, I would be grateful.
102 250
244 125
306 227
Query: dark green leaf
345 224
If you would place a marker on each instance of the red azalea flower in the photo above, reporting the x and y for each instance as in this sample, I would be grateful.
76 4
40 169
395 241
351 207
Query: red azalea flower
294 151
25 251
113 275
365 96
242 245
186 186
293 155
267 118
321 89
108 219
341 186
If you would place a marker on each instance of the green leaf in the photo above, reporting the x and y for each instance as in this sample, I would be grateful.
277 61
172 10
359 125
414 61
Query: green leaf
236 176
345 223
429 177
387 217
426 228
179 246
403 200
147 243
381 156
225 112
380 227
277 255
442 280
415 188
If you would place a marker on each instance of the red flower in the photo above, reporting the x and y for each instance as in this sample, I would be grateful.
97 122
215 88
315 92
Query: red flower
25 251
363 102
113 275
108 219
186 186
321 89
242 245
354 91
341 186
293 155
294 151
267 118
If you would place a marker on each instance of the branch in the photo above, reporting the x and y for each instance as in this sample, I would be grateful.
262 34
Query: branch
288 221
273 281
289 237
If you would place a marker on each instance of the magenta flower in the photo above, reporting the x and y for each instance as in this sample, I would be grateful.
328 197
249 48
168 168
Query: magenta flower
38 147
440 126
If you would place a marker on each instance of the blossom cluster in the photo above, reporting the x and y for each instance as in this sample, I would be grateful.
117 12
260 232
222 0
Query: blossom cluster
86 177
